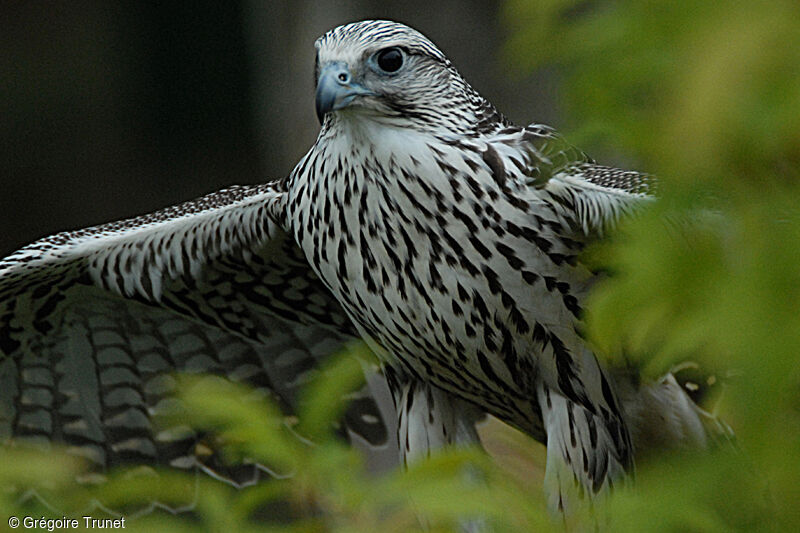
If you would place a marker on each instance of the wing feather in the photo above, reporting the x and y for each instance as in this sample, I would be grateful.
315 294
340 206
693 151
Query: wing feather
596 197
589 198
92 323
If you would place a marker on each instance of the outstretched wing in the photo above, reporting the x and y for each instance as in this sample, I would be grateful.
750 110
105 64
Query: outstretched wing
595 197
93 321
588 197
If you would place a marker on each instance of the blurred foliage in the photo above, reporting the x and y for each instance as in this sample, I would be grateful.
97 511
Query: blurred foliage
322 485
702 92
707 96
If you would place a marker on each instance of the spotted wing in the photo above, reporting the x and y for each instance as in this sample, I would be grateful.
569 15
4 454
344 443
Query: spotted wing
93 322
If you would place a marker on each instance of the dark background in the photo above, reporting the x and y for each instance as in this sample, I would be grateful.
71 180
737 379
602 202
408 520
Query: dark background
111 109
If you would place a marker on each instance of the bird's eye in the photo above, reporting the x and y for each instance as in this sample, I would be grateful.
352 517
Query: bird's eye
389 59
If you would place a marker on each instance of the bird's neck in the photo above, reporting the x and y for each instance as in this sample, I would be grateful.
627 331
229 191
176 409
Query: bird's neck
360 127
360 173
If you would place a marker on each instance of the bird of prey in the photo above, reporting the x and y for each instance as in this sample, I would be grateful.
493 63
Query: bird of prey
421 221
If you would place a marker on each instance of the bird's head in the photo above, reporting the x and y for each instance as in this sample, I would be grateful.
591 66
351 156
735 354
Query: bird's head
386 71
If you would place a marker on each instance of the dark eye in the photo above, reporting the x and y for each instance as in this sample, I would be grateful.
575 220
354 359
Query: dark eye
390 59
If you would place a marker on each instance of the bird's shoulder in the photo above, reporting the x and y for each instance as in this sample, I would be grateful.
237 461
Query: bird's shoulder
542 166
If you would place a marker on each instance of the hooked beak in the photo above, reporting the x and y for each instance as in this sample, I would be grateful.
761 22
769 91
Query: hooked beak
335 89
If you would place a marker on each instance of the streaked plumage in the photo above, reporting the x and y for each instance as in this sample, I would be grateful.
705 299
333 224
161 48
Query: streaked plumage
421 220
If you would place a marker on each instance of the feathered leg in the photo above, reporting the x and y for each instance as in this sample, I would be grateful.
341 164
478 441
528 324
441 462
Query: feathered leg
587 452
430 419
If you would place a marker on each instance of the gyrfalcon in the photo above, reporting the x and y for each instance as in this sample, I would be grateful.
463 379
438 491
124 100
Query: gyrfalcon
421 221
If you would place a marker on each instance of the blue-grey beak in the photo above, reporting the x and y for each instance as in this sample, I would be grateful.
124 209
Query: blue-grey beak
335 89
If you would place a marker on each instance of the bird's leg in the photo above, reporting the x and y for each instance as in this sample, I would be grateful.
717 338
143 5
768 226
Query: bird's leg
430 419
588 453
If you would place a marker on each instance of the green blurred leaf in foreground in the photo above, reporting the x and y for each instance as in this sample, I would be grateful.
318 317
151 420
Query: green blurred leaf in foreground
325 484
706 95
